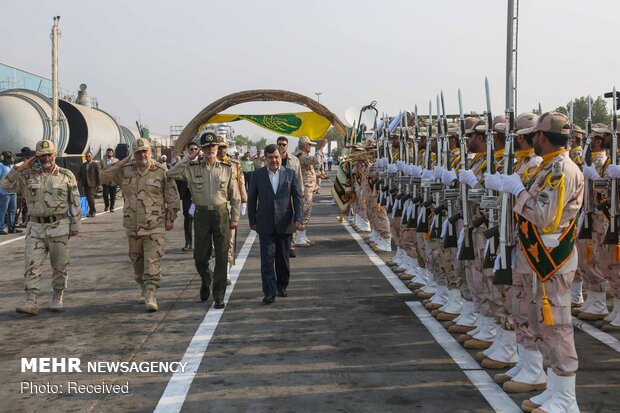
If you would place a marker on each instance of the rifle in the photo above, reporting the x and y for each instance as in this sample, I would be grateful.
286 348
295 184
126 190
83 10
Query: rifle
489 200
466 252
450 194
416 197
423 222
437 189
503 276
585 232
611 238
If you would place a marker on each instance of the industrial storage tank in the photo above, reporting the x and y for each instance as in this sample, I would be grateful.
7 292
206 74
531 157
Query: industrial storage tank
91 129
26 118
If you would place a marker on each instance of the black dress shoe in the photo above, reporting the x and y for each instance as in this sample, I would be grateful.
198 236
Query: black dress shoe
282 293
269 299
292 254
218 304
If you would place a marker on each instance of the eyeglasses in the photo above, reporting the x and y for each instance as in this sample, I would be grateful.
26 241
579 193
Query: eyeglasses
282 144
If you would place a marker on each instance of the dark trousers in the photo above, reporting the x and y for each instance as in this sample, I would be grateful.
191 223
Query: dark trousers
109 196
187 221
274 262
90 197
212 228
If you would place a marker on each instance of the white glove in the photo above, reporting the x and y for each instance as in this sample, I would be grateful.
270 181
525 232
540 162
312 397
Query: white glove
192 209
613 171
400 165
427 174
447 177
392 168
416 170
512 184
493 181
438 171
468 177
589 172
244 209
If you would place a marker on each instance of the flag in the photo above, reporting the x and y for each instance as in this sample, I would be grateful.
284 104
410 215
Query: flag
298 124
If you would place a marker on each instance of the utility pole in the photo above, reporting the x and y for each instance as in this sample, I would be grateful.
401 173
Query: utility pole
55 35
318 96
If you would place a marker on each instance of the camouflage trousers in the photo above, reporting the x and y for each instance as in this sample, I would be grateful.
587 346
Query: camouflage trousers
395 230
460 270
378 217
231 247
431 247
421 248
445 266
306 203
598 274
408 241
36 252
556 342
145 252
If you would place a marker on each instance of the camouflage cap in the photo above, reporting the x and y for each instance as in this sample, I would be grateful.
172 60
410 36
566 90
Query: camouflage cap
141 145
578 131
45 147
525 123
603 128
305 139
209 139
553 122
498 125
222 141
477 126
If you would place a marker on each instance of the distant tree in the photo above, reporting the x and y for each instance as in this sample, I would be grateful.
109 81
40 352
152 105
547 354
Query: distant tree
241 140
600 114
261 143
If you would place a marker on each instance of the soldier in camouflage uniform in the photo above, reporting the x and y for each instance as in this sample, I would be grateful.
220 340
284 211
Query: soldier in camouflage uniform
309 174
215 193
222 155
151 206
50 193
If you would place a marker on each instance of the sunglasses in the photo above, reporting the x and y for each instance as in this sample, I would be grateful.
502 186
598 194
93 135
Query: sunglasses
192 149
282 144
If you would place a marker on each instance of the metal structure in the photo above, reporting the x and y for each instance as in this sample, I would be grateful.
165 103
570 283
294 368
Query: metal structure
55 35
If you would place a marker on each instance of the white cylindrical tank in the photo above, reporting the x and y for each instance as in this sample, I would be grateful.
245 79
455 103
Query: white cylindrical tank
91 129
25 119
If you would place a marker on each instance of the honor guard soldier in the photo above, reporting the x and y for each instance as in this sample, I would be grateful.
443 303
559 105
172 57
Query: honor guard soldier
151 206
546 260
215 193
53 200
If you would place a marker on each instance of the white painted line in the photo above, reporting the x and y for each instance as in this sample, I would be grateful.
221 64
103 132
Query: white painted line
23 236
176 391
385 270
601 336
493 394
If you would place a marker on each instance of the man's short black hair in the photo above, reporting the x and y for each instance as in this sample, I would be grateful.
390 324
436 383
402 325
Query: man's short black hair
281 138
271 148
109 149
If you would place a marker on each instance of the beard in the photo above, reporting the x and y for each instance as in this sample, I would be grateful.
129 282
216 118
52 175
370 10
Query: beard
142 162
46 165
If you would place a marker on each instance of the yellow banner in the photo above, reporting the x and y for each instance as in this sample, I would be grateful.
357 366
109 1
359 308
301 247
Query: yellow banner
309 124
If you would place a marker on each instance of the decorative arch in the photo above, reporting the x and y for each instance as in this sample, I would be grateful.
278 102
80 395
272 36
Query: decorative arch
258 95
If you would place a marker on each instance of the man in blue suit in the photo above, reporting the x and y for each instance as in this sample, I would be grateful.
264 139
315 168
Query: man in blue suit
275 212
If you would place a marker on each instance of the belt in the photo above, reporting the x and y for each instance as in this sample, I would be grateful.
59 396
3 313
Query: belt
47 220
213 207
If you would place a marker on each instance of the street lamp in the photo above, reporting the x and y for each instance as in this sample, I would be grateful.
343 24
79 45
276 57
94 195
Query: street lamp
318 96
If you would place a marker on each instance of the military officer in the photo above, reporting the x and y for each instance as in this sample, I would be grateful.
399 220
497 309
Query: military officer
53 200
151 205
215 193
222 156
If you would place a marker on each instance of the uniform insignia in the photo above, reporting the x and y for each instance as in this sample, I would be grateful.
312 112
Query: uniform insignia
45 144
557 169
543 197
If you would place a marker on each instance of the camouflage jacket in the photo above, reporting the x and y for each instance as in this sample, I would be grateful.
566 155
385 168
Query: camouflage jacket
53 194
151 198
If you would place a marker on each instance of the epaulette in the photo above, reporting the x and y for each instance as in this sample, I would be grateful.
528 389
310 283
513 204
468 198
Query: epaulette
196 161
226 163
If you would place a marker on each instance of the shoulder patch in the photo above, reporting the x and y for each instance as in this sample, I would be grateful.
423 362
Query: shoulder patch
557 169
543 197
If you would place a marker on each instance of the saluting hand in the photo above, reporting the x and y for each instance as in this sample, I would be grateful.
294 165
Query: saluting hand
27 164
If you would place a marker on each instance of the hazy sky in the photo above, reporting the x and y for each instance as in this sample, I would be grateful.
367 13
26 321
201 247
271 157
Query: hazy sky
167 60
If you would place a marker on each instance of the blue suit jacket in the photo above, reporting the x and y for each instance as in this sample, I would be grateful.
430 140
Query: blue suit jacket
274 212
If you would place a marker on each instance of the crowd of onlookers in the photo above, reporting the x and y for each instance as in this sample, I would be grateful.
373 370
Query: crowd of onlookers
10 206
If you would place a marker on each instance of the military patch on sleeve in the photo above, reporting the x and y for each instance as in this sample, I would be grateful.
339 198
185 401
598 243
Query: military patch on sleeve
543 197
557 169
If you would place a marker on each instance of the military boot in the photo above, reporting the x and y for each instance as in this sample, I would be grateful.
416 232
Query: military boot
142 298
204 288
57 301
150 301
30 306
